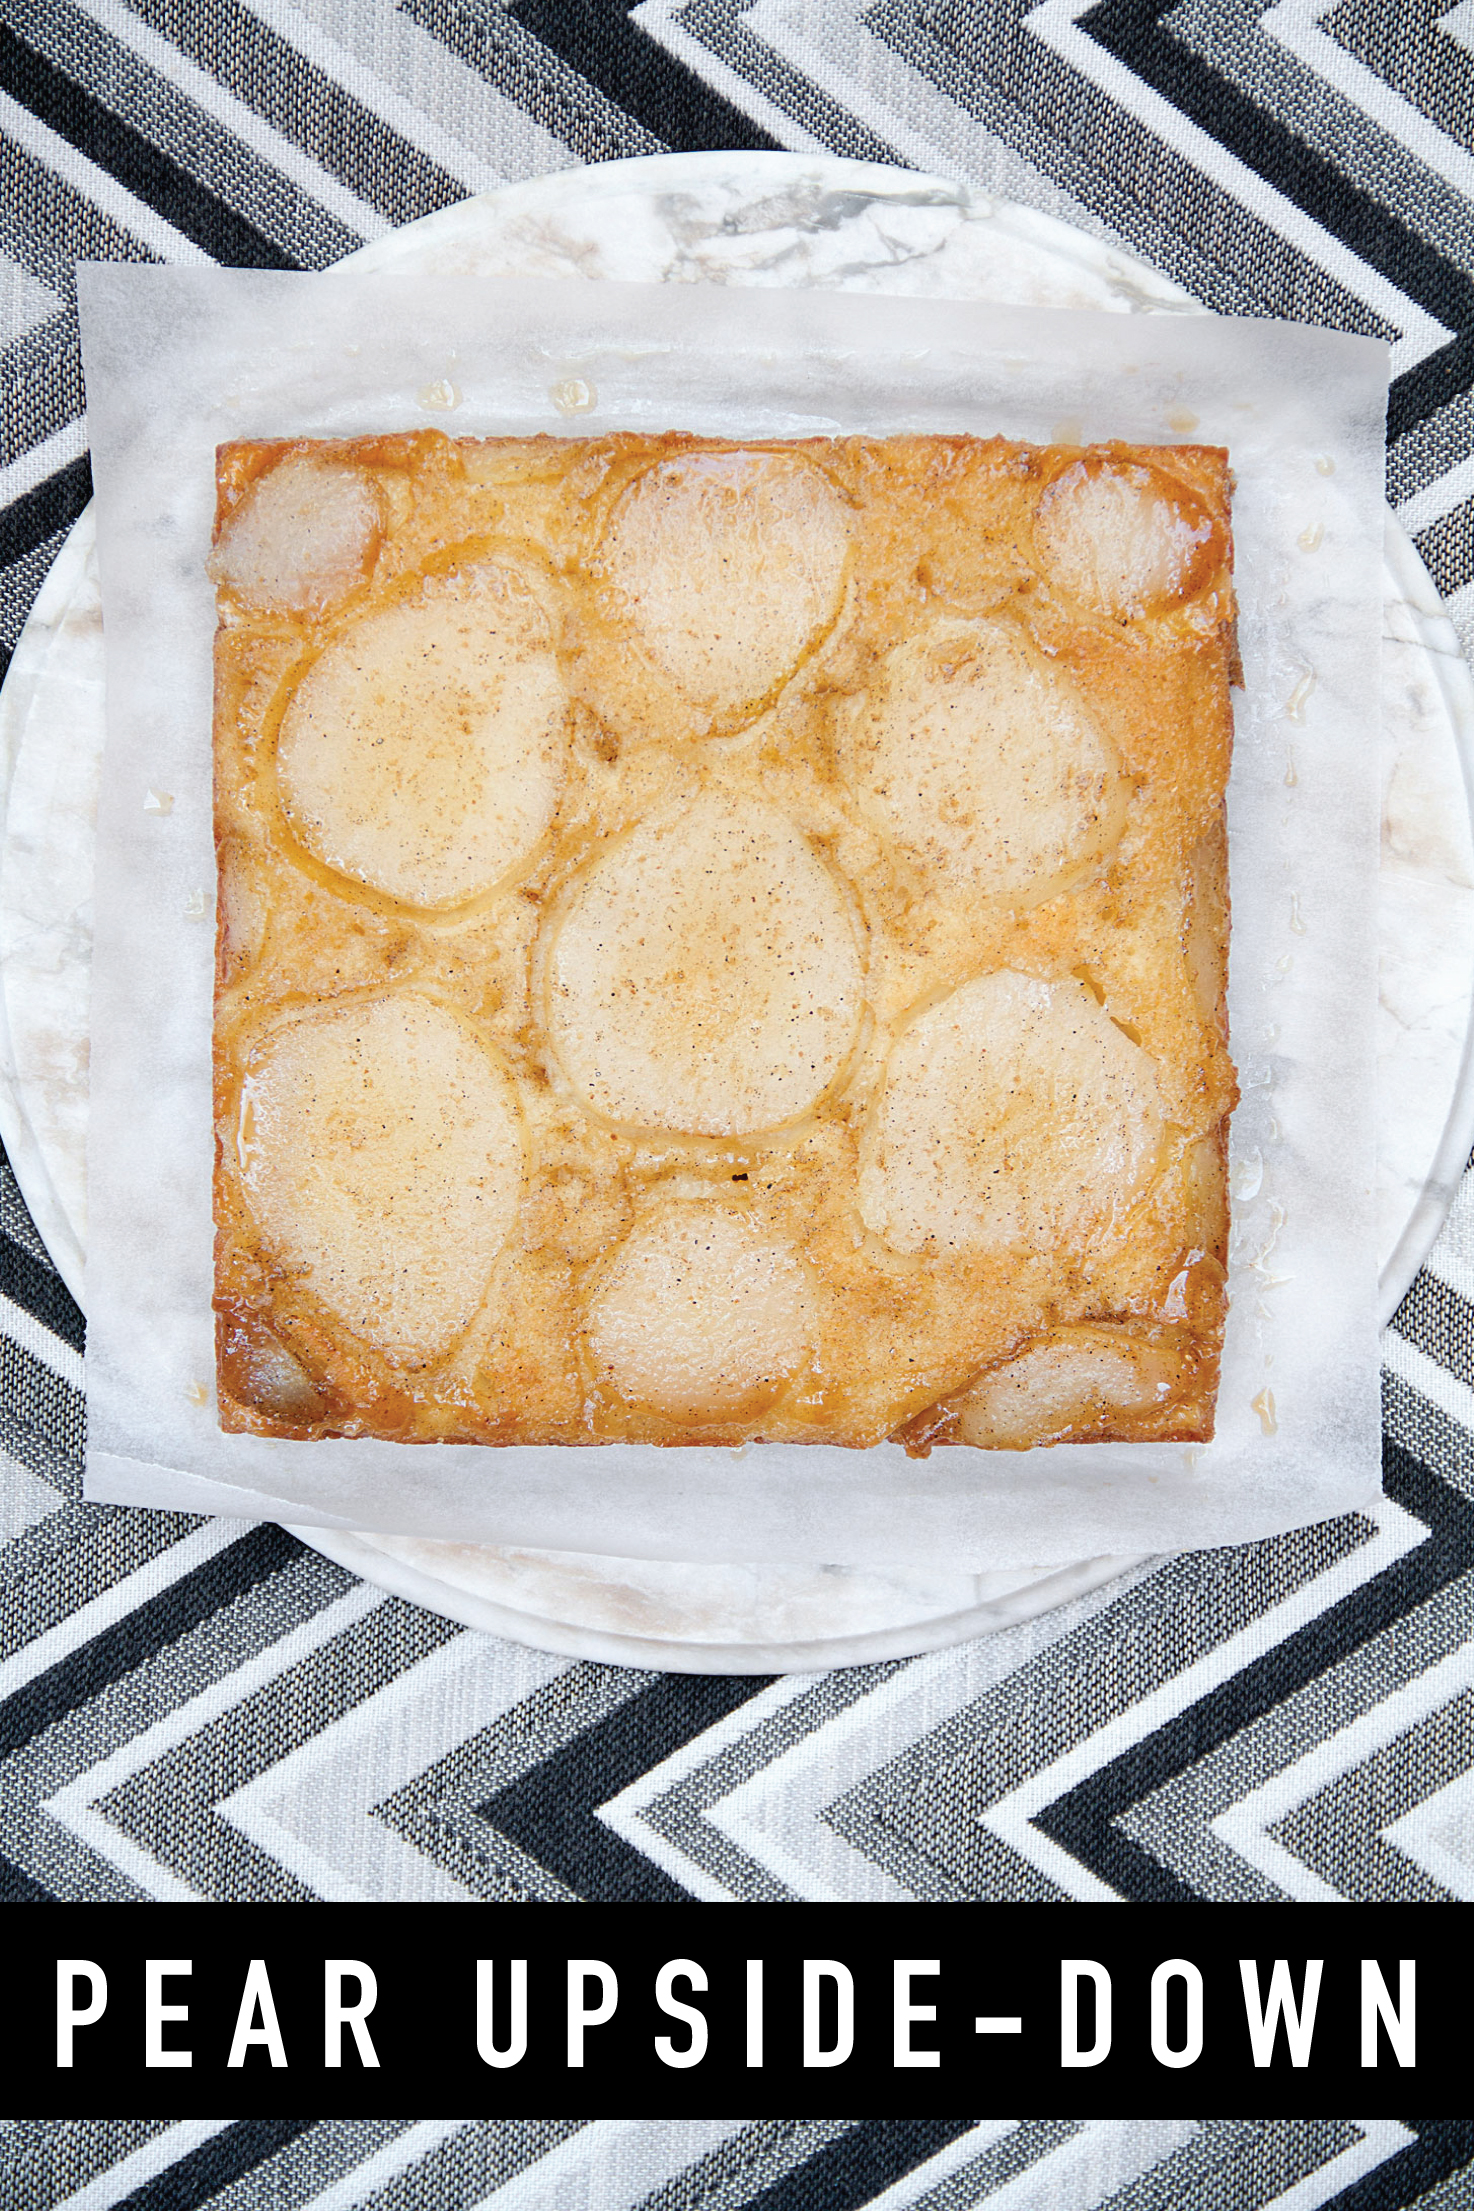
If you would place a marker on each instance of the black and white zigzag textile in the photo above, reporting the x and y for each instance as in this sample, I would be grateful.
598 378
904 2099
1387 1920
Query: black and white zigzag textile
207 1710
736 2165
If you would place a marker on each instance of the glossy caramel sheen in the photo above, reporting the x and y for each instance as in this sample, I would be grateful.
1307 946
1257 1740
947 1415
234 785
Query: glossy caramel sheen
721 941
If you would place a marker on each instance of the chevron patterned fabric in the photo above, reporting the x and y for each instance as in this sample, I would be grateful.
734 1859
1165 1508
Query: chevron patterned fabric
207 1709
735 2165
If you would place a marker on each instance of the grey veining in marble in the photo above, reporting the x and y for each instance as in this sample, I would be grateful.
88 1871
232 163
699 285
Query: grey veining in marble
718 219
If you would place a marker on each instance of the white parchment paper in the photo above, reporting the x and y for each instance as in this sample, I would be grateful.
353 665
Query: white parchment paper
179 360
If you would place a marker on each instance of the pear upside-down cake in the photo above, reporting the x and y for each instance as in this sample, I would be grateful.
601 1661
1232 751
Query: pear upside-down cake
721 941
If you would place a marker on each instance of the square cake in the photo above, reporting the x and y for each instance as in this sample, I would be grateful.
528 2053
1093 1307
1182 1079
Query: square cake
721 941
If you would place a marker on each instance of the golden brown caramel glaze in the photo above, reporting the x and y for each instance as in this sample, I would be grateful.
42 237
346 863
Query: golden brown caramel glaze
721 941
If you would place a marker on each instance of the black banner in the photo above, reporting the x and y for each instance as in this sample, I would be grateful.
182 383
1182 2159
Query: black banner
349 2010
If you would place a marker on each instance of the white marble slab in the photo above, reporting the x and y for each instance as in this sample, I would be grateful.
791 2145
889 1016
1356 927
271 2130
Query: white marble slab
707 1619
777 219
766 220
51 732
1426 925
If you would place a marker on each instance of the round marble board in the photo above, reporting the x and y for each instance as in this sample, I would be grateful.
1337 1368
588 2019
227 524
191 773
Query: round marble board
774 219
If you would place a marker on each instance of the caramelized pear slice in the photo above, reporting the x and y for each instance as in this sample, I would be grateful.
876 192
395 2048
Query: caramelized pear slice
705 975
1015 1117
1124 539
1076 1380
702 1317
381 1156
983 759
302 537
422 753
728 568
